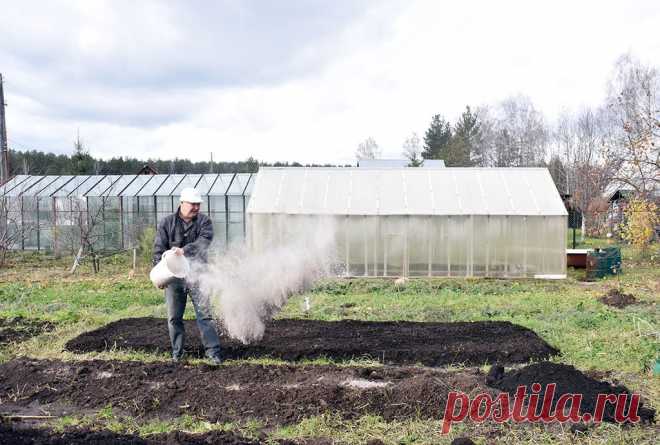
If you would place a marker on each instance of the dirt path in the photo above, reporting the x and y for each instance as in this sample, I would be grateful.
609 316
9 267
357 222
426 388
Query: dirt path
401 343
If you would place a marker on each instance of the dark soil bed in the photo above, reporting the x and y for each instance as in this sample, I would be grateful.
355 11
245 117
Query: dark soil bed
616 299
17 329
271 394
18 435
401 343
568 380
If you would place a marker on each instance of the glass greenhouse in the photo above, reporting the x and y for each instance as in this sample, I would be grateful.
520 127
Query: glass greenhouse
493 222
54 212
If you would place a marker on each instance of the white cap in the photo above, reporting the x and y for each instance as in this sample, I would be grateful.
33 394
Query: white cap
190 194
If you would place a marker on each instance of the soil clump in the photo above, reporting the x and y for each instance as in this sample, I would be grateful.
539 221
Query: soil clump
569 381
617 299
391 342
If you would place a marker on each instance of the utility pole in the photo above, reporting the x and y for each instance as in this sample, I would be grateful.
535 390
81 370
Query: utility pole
4 168
211 164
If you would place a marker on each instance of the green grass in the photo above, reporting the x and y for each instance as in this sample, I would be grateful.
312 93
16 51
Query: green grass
565 313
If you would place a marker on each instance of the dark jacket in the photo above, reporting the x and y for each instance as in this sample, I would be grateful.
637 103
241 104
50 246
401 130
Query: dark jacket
194 242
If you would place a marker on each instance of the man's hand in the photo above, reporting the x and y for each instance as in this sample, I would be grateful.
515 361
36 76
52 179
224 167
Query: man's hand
177 250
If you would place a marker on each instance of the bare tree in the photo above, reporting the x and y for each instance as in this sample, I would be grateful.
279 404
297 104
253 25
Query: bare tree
513 133
412 150
485 153
368 150
578 140
633 105
523 133
82 228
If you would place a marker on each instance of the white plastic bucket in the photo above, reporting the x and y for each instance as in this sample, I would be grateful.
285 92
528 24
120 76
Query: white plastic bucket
170 266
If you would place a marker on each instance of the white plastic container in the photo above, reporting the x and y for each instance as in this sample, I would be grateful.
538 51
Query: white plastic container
171 266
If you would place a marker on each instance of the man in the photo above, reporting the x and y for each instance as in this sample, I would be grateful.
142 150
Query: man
187 232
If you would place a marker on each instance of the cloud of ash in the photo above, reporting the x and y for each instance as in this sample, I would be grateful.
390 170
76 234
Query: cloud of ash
247 287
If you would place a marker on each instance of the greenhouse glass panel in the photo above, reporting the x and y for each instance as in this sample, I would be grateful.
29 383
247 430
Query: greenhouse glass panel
27 185
99 186
118 187
235 204
205 183
524 203
141 182
167 186
498 203
335 201
219 217
40 185
72 186
236 234
164 204
221 184
364 198
55 185
239 183
217 204
146 204
469 196
418 192
13 182
219 236
188 181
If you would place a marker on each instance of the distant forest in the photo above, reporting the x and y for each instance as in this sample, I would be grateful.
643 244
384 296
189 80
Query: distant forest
80 162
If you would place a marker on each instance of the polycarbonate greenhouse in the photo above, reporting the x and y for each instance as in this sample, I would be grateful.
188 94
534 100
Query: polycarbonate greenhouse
53 212
493 222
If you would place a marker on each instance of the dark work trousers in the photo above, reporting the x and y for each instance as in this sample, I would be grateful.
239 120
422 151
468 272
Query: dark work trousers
176 295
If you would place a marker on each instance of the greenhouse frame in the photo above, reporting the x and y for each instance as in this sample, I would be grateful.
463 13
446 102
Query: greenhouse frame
52 213
467 222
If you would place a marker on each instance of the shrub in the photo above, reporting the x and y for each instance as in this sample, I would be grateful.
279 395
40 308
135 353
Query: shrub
641 217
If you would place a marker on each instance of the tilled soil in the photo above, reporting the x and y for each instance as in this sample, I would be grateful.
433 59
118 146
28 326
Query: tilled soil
568 380
17 329
10 434
271 394
617 299
400 343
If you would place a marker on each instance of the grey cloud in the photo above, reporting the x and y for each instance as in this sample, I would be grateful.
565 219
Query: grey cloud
148 56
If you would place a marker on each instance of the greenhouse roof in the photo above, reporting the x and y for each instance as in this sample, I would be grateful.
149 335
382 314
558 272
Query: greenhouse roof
212 184
406 191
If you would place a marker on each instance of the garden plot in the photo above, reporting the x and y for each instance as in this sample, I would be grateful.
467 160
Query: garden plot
273 395
401 343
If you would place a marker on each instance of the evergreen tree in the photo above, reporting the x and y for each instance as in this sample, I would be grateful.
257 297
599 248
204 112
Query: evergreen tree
462 150
82 162
558 173
437 138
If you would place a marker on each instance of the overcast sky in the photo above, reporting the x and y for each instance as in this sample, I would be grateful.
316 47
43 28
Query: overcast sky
290 80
